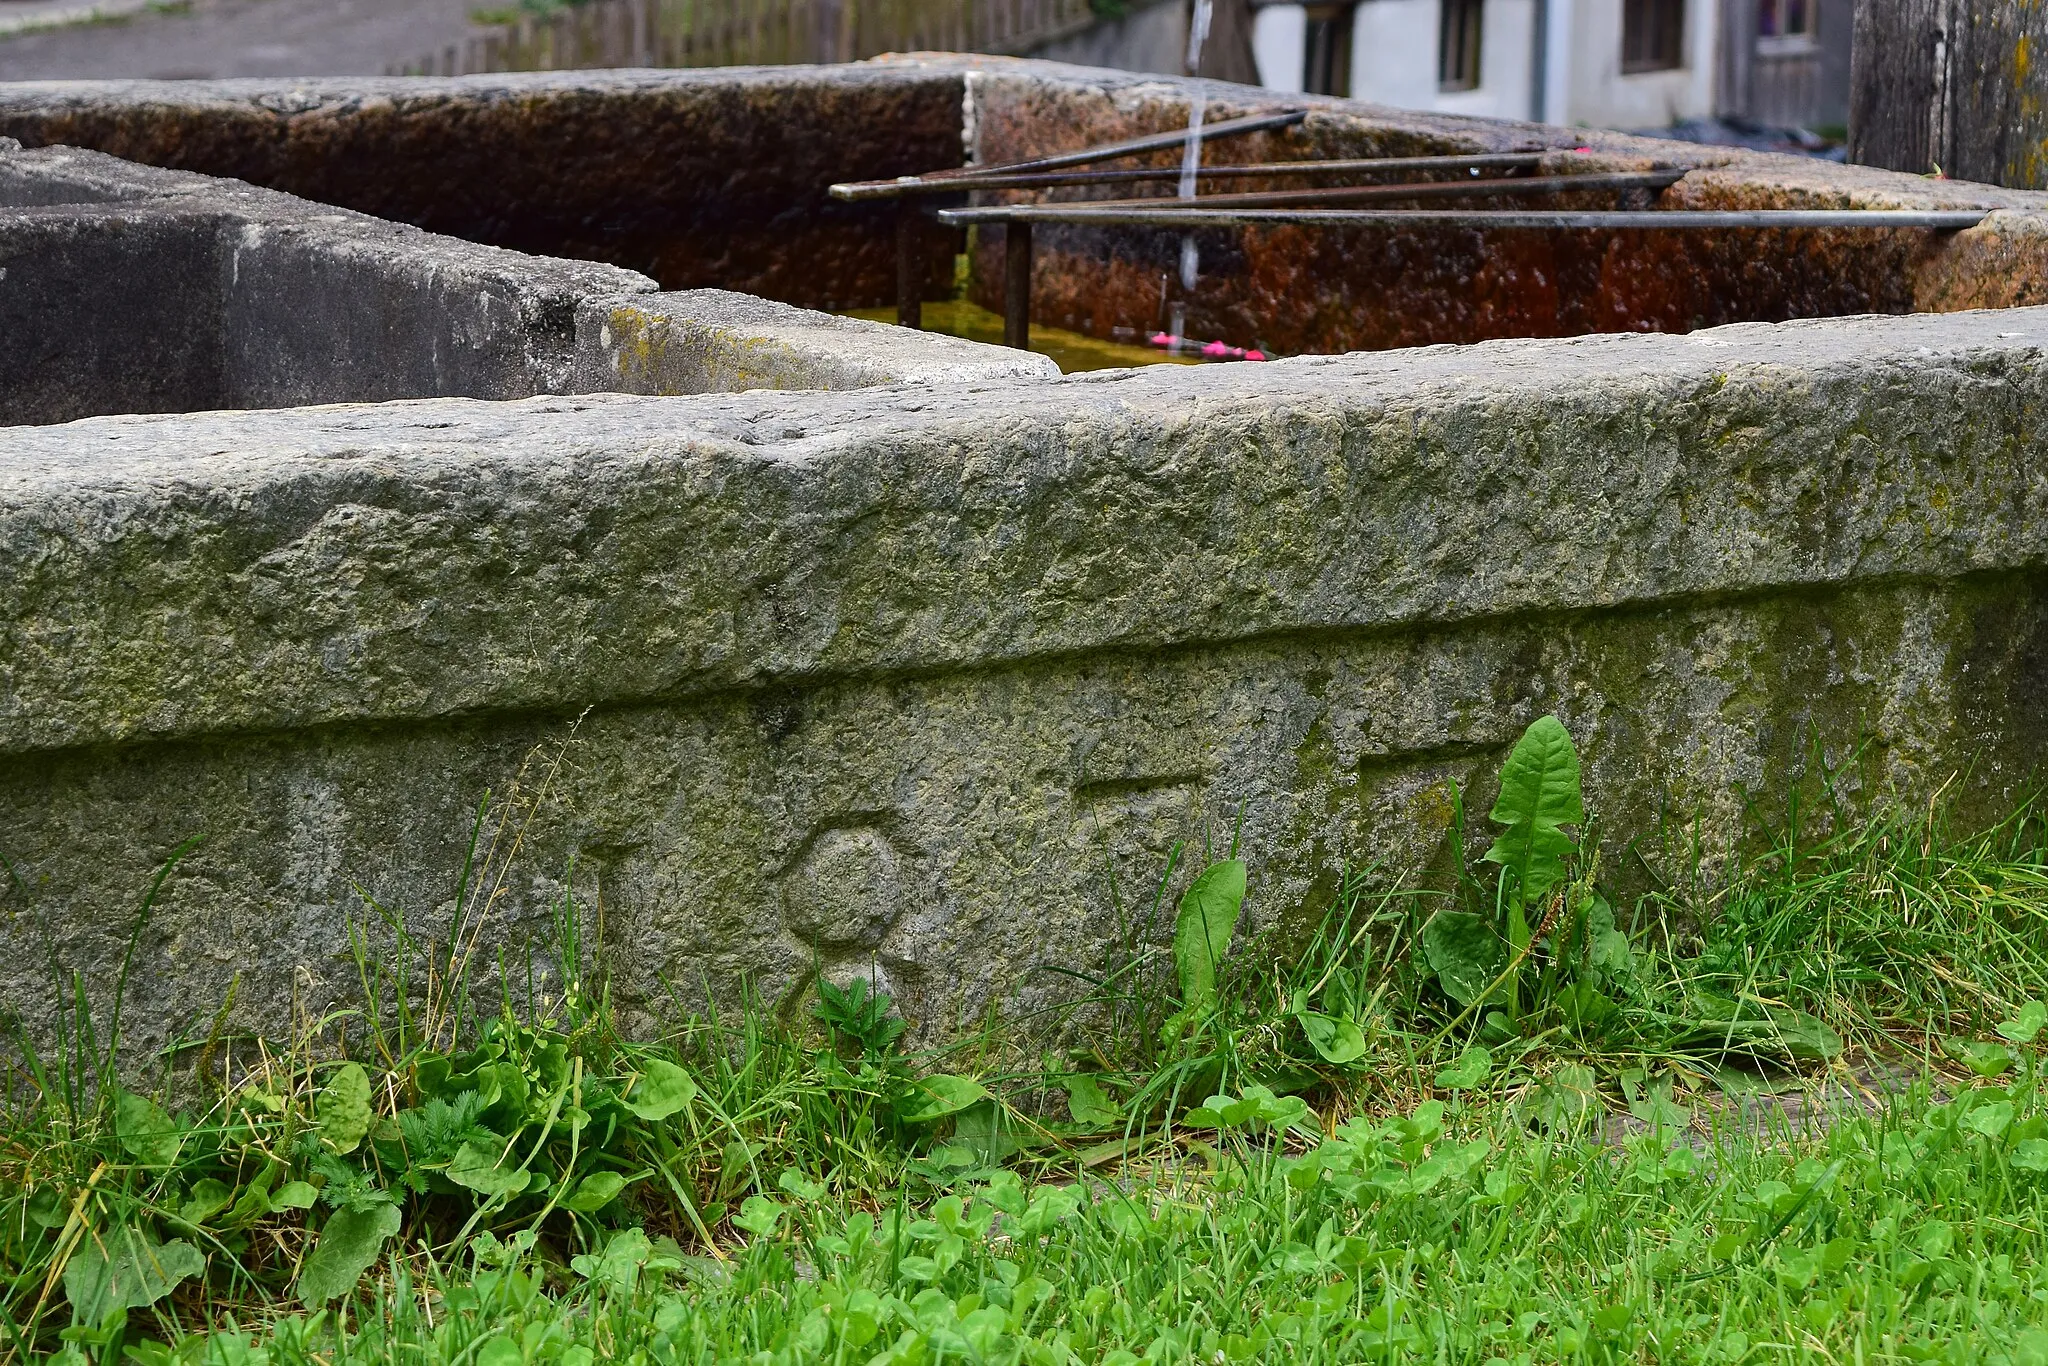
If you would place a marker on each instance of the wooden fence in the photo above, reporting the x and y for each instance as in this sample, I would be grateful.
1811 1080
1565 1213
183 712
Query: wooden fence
610 33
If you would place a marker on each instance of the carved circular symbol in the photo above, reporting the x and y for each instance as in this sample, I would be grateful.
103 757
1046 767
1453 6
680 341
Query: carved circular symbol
844 891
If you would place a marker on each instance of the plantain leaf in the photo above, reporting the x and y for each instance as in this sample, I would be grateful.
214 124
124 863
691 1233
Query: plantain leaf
1203 929
294 1195
1471 1069
125 1269
1465 954
152 1137
1338 1042
1089 1104
941 1095
209 1197
477 1166
343 1109
662 1089
1539 792
348 1245
594 1192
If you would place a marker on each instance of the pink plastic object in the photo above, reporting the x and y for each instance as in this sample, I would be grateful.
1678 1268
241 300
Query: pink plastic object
1214 350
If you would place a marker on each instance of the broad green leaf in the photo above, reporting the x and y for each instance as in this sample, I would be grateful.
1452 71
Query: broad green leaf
294 1195
1465 954
2031 1155
982 1131
500 1351
476 1166
1987 1060
1585 1006
506 1085
661 1090
1656 1108
594 1192
1203 930
125 1269
624 1257
49 1207
152 1137
1338 1042
1089 1104
348 1246
1472 1068
1566 1098
758 1215
342 1109
2025 1026
209 1197
1989 1120
940 1095
802 1187
1607 948
1539 792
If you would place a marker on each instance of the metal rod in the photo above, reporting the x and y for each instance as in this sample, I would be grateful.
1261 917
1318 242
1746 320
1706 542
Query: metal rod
997 179
1197 217
1421 189
1017 285
970 177
909 266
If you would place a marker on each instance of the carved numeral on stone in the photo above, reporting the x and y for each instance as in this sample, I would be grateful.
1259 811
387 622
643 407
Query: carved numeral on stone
844 890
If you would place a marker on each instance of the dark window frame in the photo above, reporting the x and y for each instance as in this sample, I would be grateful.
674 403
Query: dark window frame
1326 49
1461 25
1652 36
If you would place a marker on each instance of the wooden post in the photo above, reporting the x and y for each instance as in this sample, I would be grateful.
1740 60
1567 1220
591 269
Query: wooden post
1959 85
1017 286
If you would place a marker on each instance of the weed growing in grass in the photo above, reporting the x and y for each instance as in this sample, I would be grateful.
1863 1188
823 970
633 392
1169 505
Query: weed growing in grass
1388 1141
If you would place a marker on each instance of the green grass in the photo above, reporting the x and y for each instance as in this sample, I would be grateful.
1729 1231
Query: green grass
1366 1147
1454 1233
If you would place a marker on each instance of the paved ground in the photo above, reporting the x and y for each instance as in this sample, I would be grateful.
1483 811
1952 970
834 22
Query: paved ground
234 38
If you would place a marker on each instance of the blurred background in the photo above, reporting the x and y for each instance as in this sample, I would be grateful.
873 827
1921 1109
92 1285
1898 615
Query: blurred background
1935 86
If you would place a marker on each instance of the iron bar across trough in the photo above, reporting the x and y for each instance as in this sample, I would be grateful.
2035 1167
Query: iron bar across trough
910 228
1000 178
970 177
1415 189
1196 216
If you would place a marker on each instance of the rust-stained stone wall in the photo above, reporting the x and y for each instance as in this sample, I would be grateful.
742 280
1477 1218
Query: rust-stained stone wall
694 178
1295 289
717 178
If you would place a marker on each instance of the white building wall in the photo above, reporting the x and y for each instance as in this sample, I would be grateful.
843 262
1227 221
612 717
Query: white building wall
1561 19
1393 53
1602 97
1394 61
1507 69
1280 45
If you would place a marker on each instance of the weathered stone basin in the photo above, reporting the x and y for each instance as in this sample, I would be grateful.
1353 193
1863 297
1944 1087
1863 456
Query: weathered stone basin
893 672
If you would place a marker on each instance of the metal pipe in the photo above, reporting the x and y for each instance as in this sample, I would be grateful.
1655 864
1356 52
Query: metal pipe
909 265
1947 220
1425 189
1265 170
1017 285
969 177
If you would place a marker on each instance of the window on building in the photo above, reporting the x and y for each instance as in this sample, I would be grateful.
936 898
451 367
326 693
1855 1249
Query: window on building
1787 23
1652 35
1457 47
1326 53
1787 19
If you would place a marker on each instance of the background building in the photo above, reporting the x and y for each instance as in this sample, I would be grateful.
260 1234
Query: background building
1601 63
